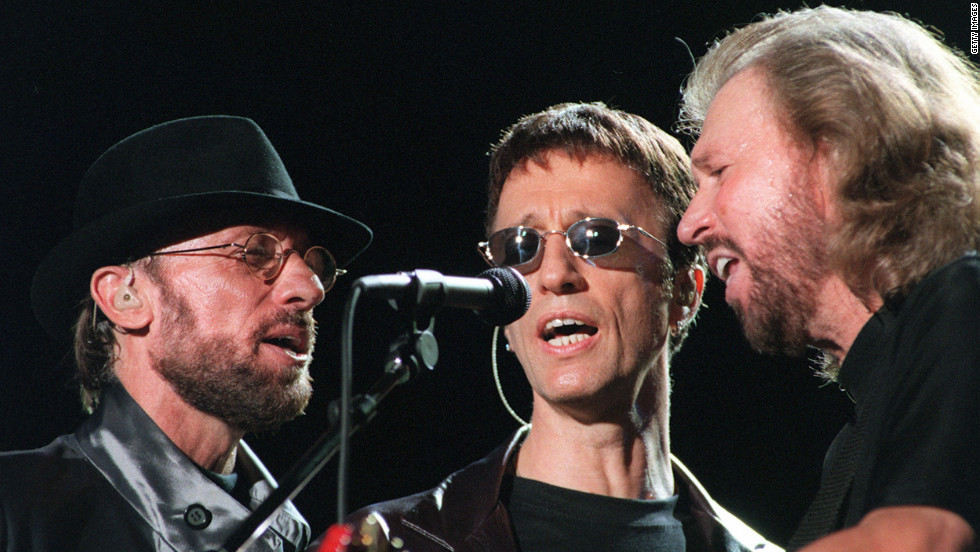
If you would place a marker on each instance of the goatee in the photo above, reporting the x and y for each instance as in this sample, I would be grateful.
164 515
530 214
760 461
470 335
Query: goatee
220 375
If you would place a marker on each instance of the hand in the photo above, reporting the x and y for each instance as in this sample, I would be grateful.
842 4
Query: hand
902 529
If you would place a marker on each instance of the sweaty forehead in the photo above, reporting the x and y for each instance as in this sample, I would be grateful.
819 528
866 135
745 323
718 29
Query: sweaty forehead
741 114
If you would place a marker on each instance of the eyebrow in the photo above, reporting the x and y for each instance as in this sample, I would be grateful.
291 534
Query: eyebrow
530 219
300 238
702 159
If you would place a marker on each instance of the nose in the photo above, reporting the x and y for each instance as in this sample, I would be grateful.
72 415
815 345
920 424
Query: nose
559 269
297 285
698 220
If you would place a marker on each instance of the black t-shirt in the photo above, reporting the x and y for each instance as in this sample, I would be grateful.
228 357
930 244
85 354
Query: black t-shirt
547 518
914 372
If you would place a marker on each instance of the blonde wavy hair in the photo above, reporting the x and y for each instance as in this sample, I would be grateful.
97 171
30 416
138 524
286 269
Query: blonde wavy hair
901 112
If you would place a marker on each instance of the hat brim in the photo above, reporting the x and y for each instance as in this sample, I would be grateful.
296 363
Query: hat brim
62 279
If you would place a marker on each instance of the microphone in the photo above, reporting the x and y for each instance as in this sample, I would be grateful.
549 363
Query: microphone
499 295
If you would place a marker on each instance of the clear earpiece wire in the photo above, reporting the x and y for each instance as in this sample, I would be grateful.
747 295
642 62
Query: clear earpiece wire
496 378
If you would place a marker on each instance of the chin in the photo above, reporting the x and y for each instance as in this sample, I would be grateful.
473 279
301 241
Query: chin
578 393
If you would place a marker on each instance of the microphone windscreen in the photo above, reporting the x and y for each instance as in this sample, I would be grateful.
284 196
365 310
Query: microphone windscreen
512 296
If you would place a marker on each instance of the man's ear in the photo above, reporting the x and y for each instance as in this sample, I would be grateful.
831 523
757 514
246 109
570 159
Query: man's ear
824 175
117 295
688 290
507 333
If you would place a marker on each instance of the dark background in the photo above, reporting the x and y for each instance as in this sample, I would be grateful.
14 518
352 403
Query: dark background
384 111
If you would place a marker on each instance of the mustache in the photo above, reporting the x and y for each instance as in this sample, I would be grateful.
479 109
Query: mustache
714 242
302 321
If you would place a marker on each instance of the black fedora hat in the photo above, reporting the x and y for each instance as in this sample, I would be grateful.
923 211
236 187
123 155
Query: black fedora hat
145 192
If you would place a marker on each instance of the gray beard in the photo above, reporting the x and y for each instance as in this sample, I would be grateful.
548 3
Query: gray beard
213 374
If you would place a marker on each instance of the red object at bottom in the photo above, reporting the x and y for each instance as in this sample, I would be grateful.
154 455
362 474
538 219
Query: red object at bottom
337 539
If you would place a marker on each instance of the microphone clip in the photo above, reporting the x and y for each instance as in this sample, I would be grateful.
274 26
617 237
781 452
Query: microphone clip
416 347
421 298
410 352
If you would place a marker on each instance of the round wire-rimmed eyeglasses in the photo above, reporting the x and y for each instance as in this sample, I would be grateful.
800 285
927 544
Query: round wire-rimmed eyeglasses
265 256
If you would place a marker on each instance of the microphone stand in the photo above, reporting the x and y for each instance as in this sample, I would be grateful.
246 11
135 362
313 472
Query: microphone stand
412 349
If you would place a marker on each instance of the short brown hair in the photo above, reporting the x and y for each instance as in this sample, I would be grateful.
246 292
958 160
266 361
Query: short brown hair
901 112
95 345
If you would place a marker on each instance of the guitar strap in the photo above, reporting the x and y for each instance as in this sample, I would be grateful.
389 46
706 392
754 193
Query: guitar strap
824 513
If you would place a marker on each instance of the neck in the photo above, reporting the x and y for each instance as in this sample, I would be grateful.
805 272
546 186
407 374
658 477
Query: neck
840 316
624 458
206 440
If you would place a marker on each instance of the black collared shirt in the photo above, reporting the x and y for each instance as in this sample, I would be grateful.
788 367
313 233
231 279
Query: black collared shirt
914 373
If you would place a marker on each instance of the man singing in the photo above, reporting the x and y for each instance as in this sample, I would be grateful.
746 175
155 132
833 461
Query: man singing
584 201
190 278
838 167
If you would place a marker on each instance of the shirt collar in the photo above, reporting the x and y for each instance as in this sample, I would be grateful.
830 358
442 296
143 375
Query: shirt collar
163 484
855 370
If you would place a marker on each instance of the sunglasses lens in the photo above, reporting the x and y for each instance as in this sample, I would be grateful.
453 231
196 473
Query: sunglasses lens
514 246
262 254
594 237
322 263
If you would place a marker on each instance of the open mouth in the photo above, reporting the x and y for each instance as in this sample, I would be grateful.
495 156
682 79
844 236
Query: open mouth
283 342
294 344
566 331
723 266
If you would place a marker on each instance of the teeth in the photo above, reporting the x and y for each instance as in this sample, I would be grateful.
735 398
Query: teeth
563 322
722 266
561 340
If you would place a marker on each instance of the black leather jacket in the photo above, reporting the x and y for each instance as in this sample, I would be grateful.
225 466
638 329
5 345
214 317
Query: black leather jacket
119 484
464 513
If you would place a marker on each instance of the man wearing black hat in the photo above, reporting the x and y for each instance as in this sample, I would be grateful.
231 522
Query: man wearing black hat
192 320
